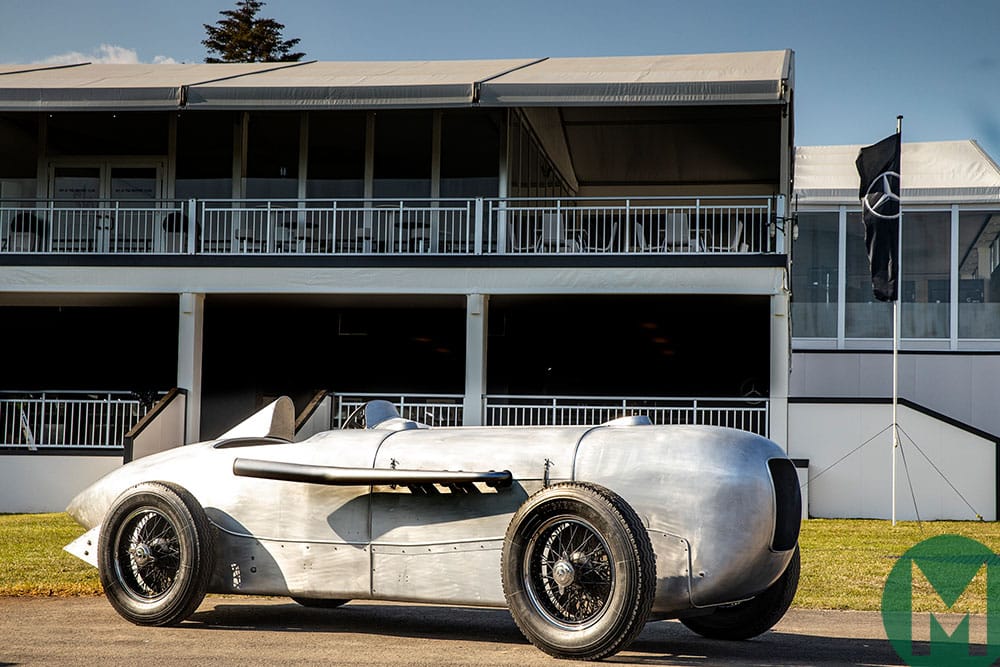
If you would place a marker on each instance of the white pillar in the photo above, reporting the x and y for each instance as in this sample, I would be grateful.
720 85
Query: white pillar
190 330
780 367
476 330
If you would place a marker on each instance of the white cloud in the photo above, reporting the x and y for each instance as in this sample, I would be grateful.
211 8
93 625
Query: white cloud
105 53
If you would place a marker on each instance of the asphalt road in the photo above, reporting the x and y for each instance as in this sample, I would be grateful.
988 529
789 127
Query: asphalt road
269 631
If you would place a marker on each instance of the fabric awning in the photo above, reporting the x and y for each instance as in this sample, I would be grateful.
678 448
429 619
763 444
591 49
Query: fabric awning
735 78
353 84
90 87
721 78
931 172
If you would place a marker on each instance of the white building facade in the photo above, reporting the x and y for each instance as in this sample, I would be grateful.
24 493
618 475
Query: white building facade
560 240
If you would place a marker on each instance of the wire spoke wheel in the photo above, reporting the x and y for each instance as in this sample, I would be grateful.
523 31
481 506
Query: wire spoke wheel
147 554
567 571
578 571
156 554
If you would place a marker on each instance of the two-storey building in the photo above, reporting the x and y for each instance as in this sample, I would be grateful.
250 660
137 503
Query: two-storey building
556 240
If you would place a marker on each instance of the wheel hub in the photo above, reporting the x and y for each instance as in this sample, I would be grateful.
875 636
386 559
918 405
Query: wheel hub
141 554
564 573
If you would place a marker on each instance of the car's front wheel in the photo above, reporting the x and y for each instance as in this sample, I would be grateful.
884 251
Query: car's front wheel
578 571
754 616
155 554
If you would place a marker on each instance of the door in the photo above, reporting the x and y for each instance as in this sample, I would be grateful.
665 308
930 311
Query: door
105 206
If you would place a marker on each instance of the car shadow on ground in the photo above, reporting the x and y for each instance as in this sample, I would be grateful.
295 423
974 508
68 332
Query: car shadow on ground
664 642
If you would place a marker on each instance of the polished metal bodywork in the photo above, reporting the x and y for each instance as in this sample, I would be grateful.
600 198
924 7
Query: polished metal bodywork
704 494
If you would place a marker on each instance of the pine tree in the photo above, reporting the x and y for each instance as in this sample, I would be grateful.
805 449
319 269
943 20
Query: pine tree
242 37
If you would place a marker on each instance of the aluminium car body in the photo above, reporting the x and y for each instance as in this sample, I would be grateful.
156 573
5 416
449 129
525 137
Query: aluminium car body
538 519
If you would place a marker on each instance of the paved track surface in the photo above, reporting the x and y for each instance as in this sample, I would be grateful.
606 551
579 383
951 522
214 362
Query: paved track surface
272 631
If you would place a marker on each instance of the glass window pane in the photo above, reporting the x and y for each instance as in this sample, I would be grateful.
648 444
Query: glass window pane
979 274
814 276
402 154
865 316
204 155
336 155
77 183
470 154
106 133
273 156
140 183
925 282
19 148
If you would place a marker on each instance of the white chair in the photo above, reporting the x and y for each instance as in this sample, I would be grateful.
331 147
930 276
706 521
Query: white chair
642 243
677 233
556 236
731 243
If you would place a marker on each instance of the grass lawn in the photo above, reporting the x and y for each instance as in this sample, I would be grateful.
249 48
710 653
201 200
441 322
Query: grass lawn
32 561
844 562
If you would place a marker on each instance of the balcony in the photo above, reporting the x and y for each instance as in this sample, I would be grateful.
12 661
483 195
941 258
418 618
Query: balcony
352 227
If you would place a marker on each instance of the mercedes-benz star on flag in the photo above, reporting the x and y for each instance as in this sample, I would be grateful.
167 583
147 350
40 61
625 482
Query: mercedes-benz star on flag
878 167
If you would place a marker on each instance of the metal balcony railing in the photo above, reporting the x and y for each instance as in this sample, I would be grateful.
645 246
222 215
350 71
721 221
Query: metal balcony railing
432 409
75 419
748 414
480 226
93 227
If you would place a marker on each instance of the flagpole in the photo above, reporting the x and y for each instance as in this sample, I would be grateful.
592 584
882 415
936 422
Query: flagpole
895 336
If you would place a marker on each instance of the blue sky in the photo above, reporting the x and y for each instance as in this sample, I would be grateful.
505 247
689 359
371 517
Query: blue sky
858 64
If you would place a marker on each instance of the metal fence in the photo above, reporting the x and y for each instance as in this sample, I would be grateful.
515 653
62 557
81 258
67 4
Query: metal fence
86 420
93 227
749 414
348 227
654 225
432 409
502 226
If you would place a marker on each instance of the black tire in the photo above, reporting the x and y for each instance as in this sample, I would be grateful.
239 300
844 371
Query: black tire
754 616
578 571
155 554
320 603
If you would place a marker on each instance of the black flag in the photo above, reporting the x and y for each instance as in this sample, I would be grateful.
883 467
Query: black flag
878 167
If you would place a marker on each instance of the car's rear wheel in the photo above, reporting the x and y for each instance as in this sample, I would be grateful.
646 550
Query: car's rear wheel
155 554
320 603
754 616
578 571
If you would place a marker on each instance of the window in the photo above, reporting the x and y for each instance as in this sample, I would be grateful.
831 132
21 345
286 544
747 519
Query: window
336 155
470 154
815 279
925 283
106 133
865 316
978 277
403 154
19 147
204 155
273 156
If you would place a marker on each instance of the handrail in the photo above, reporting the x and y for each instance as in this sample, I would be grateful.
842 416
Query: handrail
747 413
693 224
154 412
147 420
314 403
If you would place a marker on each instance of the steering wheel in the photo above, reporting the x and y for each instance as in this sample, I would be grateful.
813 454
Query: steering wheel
356 419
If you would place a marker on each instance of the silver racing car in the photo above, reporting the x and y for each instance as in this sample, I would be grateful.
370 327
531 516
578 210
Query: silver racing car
584 533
